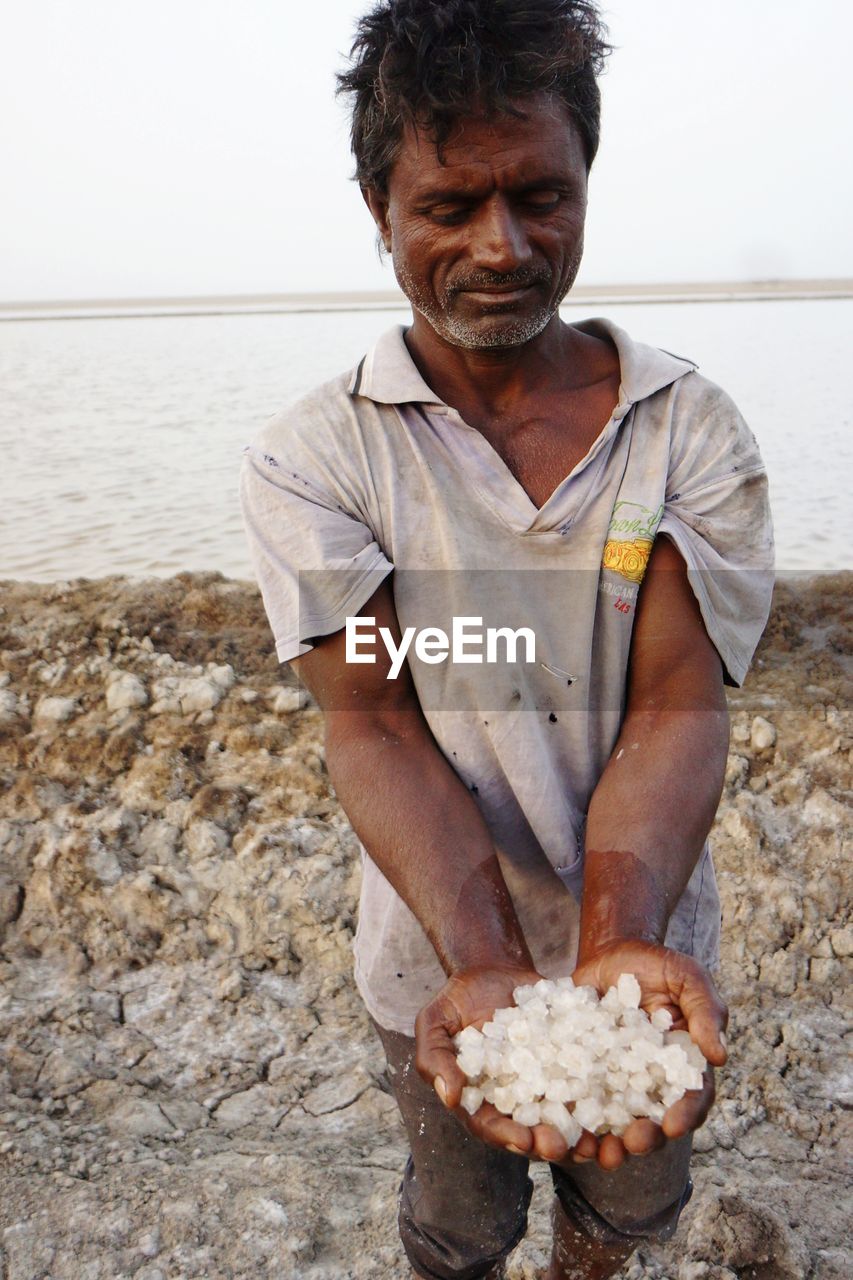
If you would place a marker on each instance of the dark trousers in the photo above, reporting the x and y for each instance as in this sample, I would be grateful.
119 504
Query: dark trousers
463 1204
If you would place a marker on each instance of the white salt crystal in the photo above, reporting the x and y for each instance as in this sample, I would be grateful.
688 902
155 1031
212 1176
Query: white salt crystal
589 1113
636 1100
610 1001
673 1059
693 1053
504 1099
521 1060
522 995
493 1058
472 1099
537 1084
559 1091
522 1092
554 1113
617 1117
519 1032
471 1062
576 1058
628 990
661 1019
527 1113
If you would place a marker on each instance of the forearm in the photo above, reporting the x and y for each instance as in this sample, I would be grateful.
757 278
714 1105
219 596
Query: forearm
424 831
649 819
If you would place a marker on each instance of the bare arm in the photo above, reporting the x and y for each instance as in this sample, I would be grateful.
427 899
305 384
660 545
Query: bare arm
655 802
647 824
409 808
424 831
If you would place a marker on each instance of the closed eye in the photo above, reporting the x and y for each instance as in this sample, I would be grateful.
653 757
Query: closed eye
448 214
542 201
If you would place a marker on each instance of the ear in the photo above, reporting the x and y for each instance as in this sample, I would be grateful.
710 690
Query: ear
377 203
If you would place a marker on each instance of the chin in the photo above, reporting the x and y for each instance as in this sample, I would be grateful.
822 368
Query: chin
489 335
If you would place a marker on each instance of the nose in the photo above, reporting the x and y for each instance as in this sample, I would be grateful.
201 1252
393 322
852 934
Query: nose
498 237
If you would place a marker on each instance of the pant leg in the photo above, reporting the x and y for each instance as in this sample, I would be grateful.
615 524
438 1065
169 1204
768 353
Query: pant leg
463 1204
640 1200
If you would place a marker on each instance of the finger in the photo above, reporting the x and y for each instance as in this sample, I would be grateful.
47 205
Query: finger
492 1126
437 1065
611 1152
549 1144
642 1136
690 1111
705 1013
586 1148
435 1055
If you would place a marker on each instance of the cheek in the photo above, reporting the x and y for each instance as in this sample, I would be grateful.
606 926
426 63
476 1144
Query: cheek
421 253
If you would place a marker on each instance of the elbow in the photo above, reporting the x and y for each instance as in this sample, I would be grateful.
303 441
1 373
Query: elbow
353 727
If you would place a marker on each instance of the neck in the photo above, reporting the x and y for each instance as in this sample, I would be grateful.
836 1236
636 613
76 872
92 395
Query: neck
493 376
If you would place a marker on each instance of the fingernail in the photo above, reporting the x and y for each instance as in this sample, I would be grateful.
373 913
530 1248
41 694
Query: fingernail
581 1159
441 1089
723 1041
516 1151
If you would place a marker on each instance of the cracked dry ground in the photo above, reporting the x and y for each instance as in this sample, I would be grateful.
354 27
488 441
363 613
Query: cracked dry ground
189 1084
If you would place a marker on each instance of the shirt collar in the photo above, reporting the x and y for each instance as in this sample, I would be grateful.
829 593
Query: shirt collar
644 369
388 374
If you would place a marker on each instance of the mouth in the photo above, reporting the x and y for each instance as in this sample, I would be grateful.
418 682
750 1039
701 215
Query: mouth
505 295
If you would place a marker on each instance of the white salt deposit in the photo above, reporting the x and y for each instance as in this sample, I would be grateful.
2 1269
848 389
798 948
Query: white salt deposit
564 1057
125 690
55 710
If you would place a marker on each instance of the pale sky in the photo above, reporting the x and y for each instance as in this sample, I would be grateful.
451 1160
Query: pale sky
195 147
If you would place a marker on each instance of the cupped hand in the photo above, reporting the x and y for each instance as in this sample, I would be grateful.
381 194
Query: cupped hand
470 998
676 982
668 980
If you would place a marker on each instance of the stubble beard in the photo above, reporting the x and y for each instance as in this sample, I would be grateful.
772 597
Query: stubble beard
479 335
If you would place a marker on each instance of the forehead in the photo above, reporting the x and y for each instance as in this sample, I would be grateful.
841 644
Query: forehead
506 150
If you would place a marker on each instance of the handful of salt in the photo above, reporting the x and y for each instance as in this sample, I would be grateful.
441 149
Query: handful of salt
561 1047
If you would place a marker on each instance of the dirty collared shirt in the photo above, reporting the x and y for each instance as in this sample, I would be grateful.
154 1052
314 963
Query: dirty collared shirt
372 473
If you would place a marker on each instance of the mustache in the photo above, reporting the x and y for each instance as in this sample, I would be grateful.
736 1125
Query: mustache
522 278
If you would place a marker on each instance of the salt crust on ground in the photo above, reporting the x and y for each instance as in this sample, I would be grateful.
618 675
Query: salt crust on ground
189 1084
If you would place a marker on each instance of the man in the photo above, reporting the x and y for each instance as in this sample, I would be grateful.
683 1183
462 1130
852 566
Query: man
520 817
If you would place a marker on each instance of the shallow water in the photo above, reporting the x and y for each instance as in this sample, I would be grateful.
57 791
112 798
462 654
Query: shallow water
121 438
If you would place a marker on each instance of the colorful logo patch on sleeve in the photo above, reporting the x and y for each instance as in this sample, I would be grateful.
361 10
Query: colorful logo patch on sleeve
627 558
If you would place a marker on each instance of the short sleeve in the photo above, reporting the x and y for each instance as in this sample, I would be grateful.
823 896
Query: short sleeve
316 562
717 513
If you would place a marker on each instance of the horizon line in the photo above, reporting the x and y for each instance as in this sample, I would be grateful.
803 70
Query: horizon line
392 299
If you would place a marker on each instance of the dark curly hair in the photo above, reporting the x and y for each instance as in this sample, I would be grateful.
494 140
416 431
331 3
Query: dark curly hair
427 62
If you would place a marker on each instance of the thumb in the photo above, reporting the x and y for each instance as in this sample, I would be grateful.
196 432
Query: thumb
704 1012
435 1055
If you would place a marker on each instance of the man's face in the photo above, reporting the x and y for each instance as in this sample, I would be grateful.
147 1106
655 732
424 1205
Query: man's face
486 245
